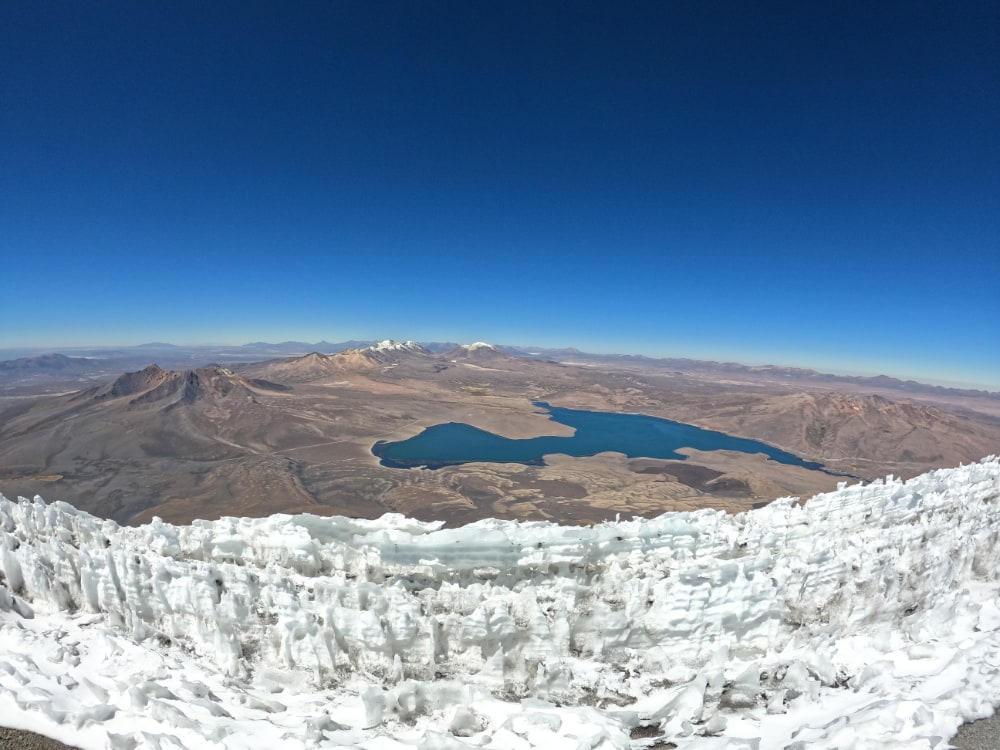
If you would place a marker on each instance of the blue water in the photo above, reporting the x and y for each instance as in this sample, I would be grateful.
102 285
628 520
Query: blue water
635 435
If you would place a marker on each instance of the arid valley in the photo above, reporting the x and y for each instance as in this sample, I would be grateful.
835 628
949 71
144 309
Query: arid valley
185 438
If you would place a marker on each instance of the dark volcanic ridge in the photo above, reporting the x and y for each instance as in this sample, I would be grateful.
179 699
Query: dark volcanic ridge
154 384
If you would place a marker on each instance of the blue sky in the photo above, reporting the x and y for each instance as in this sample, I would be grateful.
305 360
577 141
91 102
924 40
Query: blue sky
776 182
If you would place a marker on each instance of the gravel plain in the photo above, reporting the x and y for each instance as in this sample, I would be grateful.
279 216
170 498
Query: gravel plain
977 735
17 739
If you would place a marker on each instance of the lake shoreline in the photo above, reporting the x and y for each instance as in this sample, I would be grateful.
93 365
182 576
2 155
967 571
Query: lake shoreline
633 435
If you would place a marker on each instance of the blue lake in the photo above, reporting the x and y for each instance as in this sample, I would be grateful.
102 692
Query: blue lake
635 435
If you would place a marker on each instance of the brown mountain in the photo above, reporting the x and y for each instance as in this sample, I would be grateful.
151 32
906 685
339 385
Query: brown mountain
152 436
866 428
131 383
314 367
153 384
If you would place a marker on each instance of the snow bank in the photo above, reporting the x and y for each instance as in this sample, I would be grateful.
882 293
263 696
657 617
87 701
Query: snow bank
868 617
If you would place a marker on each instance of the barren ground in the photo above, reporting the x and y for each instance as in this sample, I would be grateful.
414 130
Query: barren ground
241 447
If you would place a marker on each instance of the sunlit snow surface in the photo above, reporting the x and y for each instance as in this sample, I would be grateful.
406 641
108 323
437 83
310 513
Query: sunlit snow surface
867 618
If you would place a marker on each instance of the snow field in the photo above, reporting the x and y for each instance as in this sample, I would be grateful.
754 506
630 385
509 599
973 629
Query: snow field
867 617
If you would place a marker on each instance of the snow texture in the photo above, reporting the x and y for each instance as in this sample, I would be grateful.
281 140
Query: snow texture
868 617
389 345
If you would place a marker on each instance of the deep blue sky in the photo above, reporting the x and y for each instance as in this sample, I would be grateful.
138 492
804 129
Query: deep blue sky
798 183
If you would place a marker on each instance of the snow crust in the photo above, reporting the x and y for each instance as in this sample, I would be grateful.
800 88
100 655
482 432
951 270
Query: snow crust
868 617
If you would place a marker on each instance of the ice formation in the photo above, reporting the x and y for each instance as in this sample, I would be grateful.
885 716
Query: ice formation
868 617
389 345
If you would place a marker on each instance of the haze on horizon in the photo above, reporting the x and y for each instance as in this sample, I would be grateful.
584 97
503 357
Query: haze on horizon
309 344
781 183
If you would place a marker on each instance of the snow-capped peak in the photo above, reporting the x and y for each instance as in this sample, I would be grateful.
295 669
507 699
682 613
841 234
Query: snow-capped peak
391 345
481 345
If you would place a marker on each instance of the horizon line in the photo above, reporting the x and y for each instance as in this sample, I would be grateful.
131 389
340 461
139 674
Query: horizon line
836 372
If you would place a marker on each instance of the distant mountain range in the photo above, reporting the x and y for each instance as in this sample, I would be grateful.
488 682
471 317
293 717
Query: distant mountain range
386 353
689 366
50 363
21 368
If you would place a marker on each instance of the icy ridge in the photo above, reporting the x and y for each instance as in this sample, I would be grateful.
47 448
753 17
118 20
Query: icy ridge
867 615
390 345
